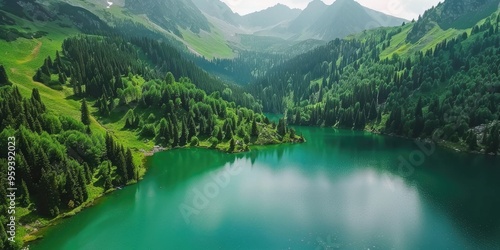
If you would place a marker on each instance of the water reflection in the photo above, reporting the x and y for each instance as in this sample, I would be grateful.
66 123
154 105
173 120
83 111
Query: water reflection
341 187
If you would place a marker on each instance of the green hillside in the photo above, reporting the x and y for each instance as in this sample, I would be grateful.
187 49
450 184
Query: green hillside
442 87
46 67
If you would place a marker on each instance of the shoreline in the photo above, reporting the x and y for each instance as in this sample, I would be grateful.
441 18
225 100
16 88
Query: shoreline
37 231
456 147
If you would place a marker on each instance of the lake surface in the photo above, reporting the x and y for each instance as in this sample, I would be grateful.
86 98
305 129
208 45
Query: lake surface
340 190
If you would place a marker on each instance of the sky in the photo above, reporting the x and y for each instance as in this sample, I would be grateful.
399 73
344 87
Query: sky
407 9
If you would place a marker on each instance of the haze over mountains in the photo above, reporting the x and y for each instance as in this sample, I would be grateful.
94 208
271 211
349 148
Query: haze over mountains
318 21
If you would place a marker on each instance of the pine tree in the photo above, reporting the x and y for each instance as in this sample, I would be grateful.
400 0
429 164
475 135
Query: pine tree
48 200
183 140
110 146
121 168
255 129
61 78
175 134
85 115
232 145
220 135
281 127
106 175
36 100
493 140
88 173
25 198
81 184
170 79
46 68
4 79
192 127
360 121
163 132
228 131
292 133
129 160
419 119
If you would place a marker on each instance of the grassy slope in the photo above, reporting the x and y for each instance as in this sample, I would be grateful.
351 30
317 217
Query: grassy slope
209 45
206 44
399 45
21 59
429 41
24 56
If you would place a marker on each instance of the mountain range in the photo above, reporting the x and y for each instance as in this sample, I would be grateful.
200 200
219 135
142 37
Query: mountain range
317 21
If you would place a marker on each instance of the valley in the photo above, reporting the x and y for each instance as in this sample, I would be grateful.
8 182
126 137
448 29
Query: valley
89 90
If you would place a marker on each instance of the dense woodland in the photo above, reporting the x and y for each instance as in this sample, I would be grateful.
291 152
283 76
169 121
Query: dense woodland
176 114
92 66
57 157
246 67
450 92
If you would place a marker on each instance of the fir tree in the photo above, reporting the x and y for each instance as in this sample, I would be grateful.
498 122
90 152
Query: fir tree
4 79
281 127
129 160
85 115
25 198
419 119
255 129
121 168
232 145
183 140
170 79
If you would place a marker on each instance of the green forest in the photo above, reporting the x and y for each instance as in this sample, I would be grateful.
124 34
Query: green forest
62 163
449 93
90 95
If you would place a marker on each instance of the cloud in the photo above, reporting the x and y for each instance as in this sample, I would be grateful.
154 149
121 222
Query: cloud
408 9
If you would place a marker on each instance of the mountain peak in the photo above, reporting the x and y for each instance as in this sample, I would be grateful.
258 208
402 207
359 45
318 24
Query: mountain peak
345 17
315 3
280 5
271 16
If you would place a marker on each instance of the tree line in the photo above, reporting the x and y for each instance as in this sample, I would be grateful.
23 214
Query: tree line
449 92
57 157
93 65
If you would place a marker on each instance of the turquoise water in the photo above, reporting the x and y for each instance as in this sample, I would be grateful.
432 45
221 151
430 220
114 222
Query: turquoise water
340 190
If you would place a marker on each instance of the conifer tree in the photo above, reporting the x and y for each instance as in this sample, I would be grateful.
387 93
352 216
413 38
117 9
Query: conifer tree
183 140
255 129
192 127
4 79
129 160
163 132
232 145
419 119
493 140
121 168
170 79
88 173
25 198
220 135
175 134
281 127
